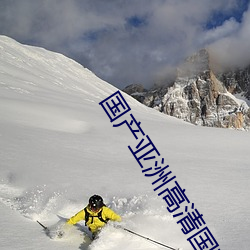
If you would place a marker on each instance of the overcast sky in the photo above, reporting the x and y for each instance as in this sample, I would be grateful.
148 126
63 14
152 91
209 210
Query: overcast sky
131 41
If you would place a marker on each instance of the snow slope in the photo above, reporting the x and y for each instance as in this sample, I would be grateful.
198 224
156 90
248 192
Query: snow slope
58 147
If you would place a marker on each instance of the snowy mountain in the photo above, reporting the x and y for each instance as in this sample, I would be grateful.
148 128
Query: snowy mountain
58 147
201 95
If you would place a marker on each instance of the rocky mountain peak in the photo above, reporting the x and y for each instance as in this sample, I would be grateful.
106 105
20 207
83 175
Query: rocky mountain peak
196 64
200 96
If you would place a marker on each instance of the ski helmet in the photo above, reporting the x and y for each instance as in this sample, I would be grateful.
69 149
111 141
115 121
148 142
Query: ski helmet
96 202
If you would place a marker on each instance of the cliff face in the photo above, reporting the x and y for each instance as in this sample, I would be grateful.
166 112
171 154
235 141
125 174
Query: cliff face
201 97
237 81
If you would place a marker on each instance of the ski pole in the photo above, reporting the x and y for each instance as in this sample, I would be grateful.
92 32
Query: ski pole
148 239
45 228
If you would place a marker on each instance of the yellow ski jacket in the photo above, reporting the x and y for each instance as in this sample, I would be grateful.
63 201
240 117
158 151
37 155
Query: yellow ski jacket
94 223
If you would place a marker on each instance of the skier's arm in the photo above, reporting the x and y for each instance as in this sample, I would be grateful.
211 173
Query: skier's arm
110 214
77 217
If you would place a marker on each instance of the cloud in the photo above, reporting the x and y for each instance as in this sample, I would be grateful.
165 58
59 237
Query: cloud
228 28
233 48
121 41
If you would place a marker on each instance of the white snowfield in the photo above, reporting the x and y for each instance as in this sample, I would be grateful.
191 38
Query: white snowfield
58 147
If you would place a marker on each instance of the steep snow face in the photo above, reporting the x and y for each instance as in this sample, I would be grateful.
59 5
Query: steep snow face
58 147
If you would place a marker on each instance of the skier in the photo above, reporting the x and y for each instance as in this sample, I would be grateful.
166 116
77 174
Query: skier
95 214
